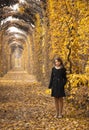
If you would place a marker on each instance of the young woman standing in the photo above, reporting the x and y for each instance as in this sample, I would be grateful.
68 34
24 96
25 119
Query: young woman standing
57 82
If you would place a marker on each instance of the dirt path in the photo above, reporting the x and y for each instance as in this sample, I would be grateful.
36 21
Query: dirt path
28 107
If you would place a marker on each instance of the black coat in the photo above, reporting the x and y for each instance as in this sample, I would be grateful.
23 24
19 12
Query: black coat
57 82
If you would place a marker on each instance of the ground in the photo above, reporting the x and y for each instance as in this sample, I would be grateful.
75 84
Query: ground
25 106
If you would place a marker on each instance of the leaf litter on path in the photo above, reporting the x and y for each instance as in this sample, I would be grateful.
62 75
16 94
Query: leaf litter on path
30 107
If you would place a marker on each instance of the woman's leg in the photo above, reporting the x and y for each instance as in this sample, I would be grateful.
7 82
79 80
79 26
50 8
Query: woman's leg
60 106
57 105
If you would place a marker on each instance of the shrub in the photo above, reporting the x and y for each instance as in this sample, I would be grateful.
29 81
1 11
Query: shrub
77 90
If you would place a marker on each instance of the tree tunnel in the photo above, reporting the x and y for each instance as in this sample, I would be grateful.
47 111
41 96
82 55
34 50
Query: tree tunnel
17 24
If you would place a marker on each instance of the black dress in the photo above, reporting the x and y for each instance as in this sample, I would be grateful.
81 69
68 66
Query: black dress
57 82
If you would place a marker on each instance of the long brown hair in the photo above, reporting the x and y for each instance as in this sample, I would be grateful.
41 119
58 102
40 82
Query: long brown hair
59 60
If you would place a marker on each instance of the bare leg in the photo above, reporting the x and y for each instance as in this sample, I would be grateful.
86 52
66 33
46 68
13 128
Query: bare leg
57 105
60 105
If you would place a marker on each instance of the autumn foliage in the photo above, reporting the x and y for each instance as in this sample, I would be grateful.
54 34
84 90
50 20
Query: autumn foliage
64 31
67 28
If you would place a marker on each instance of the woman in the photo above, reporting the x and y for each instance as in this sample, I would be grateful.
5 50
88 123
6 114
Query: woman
57 82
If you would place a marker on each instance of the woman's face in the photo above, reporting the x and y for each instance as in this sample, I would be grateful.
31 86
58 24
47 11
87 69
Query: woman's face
57 63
